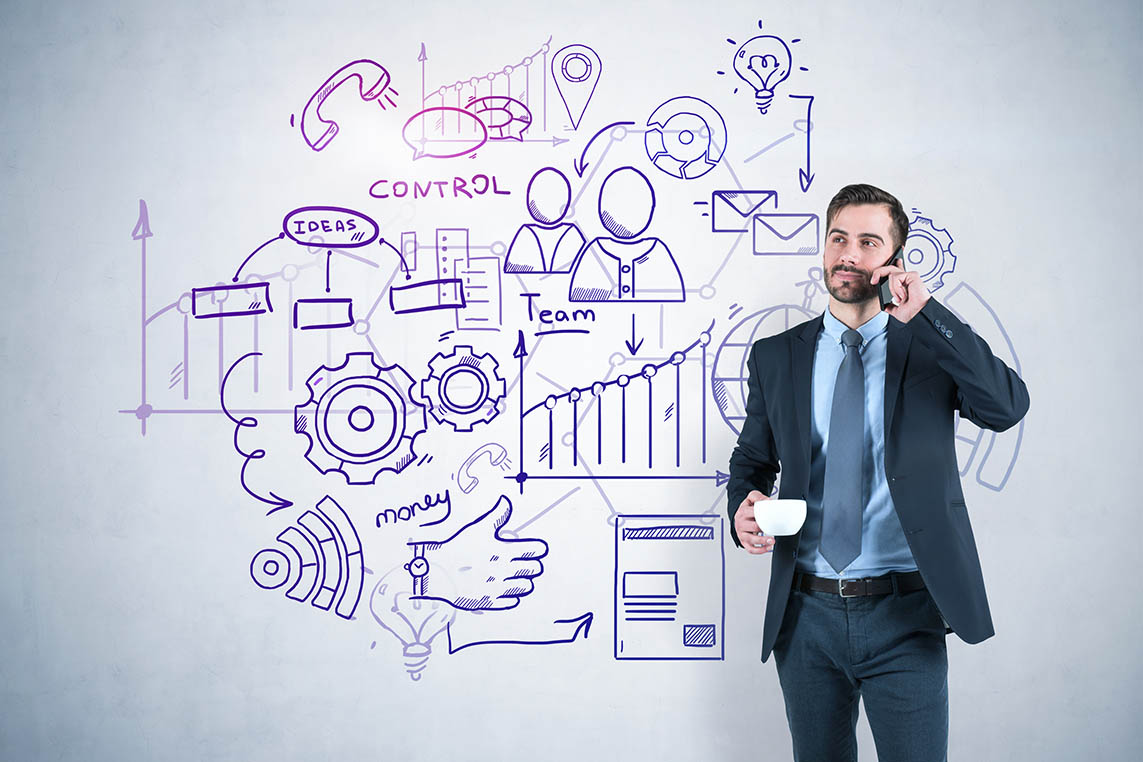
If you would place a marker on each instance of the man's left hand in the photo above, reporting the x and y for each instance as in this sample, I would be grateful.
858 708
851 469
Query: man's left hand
908 289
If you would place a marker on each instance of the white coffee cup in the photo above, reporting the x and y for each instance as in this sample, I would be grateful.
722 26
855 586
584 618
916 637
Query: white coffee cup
780 517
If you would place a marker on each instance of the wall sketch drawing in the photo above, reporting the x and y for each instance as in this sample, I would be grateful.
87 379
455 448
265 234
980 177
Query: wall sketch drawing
669 587
547 245
625 267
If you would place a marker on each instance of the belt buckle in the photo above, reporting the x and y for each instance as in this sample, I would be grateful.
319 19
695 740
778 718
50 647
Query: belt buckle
841 588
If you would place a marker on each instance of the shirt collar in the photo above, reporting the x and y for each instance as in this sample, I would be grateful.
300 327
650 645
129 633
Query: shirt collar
874 327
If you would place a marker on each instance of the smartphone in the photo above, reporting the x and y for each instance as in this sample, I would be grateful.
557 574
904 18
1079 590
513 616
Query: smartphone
883 291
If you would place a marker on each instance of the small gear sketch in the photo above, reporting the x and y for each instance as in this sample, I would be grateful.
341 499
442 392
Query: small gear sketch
464 388
928 251
363 423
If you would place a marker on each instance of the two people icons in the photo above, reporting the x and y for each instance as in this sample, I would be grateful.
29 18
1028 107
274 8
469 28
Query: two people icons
622 267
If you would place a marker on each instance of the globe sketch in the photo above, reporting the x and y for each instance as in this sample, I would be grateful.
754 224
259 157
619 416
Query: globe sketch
729 375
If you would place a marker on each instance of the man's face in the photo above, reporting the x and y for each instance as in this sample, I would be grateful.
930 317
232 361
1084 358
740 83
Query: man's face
858 242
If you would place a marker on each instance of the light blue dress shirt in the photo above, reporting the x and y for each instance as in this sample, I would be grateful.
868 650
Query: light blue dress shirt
883 545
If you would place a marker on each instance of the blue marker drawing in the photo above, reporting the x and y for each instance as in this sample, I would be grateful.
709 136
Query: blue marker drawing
729 373
928 251
414 622
626 268
324 563
997 451
548 245
358 423
670 588
806 175
785 234
685 137
564 631
733 211
631 413
477 568
463 388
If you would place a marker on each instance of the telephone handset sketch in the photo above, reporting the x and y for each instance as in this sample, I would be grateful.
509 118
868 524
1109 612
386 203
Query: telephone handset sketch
495 454
372 79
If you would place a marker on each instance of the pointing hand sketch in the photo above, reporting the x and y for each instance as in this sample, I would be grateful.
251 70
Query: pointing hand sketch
481 570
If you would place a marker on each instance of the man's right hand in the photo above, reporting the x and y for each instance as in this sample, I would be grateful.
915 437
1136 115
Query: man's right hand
749 533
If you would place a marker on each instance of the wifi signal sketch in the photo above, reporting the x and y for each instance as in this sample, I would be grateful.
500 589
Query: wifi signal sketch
320 560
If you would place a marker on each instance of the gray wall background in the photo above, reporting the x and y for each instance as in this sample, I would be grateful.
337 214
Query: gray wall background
131 628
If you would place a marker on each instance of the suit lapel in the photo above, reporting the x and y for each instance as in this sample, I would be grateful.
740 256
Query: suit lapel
896 350
802 348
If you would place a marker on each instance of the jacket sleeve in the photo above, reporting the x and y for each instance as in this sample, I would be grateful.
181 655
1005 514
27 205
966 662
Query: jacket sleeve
989 393
754 462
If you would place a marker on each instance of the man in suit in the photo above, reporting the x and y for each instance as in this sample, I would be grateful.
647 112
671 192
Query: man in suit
856 409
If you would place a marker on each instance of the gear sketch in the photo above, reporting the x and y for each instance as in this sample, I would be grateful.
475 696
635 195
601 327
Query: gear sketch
928 250
363 417
464 388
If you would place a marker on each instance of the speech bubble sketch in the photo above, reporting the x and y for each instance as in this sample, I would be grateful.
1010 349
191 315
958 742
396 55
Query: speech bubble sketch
372 83
506 118
485 570
444 132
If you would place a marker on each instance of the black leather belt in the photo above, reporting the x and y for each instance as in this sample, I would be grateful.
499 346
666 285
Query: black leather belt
853 588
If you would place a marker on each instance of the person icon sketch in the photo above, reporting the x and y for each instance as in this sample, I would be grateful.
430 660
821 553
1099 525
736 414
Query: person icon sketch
626 268
547 246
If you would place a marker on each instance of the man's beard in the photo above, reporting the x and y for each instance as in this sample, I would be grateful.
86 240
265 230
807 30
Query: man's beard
850 292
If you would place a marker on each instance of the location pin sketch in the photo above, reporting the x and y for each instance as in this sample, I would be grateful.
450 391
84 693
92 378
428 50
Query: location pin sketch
576 69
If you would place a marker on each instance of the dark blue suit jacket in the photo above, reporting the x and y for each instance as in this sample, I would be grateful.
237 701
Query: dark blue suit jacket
934 366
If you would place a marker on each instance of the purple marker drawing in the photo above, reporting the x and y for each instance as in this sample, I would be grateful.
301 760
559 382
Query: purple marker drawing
506 118
356 422
311 314
248 299
463 389
685 137
324 561
444 132
441 294
548 245
576 70
340 228
373 83
670 588
625 267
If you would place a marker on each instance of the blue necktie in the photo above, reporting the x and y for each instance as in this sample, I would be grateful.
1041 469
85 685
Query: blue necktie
844 494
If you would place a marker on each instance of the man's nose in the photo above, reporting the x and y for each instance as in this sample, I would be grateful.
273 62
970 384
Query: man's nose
850 255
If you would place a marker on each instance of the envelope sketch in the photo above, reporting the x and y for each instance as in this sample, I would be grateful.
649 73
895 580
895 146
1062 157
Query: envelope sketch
731 211
786 234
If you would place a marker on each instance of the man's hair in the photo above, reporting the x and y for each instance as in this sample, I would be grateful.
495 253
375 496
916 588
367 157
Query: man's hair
868 194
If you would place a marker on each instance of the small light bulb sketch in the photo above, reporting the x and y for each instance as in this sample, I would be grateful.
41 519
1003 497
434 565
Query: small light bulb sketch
763 62
413 622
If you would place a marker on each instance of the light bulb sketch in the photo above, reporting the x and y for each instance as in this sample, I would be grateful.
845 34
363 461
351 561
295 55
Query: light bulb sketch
763 62
416 623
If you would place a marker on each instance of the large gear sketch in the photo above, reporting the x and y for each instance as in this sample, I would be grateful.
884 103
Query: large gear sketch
363 423
928 251
450 393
